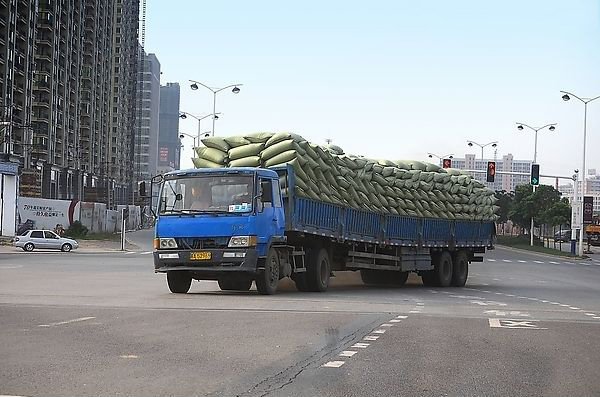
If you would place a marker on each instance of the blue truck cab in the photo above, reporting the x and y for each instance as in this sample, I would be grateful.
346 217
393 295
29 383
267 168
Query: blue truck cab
245 225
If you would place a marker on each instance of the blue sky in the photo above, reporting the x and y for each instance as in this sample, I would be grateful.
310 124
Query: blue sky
390 79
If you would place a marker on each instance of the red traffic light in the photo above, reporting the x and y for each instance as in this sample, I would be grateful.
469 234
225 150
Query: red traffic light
491 171
447 163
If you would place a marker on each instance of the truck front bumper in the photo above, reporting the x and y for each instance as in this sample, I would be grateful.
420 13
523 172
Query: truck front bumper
221 261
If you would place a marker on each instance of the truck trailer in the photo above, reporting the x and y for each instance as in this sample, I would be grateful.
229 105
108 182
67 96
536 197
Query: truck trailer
239 225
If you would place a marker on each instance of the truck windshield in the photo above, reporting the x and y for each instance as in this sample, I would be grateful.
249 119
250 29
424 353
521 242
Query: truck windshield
207 194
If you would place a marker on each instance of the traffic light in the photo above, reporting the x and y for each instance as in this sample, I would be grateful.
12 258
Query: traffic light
142 188
535 174
491 171
447 163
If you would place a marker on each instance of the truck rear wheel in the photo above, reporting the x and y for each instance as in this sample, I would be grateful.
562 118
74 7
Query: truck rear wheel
460 269
179 281
318 270
235 284
441 275
267 279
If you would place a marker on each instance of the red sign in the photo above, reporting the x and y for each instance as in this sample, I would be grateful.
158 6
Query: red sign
447 163
163 154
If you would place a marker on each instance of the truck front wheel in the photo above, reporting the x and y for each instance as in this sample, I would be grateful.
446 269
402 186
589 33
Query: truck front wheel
179 281
267 279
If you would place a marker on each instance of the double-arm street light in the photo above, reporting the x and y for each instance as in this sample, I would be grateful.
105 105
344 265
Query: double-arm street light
566 97
521 127
432 155
471 143
185 115
235 88
183 135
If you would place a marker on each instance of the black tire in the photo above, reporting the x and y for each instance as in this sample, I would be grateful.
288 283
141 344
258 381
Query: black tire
442 269
460 269
179 281
28 247
383 277
318 270
267 279
235 284
66 247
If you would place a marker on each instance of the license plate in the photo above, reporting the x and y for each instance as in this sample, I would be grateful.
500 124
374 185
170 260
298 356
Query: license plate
200 256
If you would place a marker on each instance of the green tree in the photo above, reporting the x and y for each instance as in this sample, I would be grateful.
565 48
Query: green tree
522 208
558 214
505 202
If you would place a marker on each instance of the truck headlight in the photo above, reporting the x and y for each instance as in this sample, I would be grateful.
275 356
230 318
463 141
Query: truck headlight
167 243
242 241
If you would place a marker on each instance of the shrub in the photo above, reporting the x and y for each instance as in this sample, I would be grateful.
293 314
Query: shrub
77 229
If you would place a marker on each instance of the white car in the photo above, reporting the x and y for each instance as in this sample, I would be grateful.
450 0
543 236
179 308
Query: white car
44 239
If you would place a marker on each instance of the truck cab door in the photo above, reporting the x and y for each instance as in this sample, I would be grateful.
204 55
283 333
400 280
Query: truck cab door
269 211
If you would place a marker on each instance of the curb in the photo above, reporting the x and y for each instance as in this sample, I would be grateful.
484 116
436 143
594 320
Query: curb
507 248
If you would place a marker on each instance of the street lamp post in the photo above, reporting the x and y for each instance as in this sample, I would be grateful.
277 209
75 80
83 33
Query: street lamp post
471 143
567 96
235 90
521 127
184 115
448 156
183 135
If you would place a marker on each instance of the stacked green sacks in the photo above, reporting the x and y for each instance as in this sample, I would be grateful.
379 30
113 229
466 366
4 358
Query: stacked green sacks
327 174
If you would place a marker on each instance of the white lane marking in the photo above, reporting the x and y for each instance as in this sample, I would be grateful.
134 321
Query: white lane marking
485 284
563 305
545 301
371 337
401 316
574 308
415 311
538 262
146 253
490 260
66 322
333 364
511 295
597 318
387 325
590 314
348 353
503 313
488 303
6 267
130 253
395 321
379 331
554 303
420 303
360 345
506 260
128 356
513 324
554 263
521 261
568 263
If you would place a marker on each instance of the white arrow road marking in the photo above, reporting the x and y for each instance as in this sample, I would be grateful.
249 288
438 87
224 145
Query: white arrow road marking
513 324
66 322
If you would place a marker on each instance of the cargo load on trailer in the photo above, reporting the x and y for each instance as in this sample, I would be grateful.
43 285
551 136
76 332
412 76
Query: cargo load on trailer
326 173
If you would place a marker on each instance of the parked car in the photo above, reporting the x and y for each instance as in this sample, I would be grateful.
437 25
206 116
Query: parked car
564 236
44 239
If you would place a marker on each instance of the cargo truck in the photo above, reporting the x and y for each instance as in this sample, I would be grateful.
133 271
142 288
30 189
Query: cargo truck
239 225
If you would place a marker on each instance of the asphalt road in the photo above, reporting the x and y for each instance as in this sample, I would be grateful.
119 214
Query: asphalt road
103 324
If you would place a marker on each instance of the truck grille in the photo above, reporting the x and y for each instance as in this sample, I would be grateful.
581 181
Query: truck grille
195 243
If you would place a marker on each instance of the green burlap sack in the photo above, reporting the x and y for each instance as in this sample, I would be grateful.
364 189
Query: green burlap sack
282 136
235 141
389 171
378 178
432 167
250 161
252 149
211 154
334 149
202 163
280 147
283 158
402 164
259 137
216 142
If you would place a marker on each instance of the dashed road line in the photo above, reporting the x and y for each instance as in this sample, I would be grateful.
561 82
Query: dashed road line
371 337
360 345
76 320
333 364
